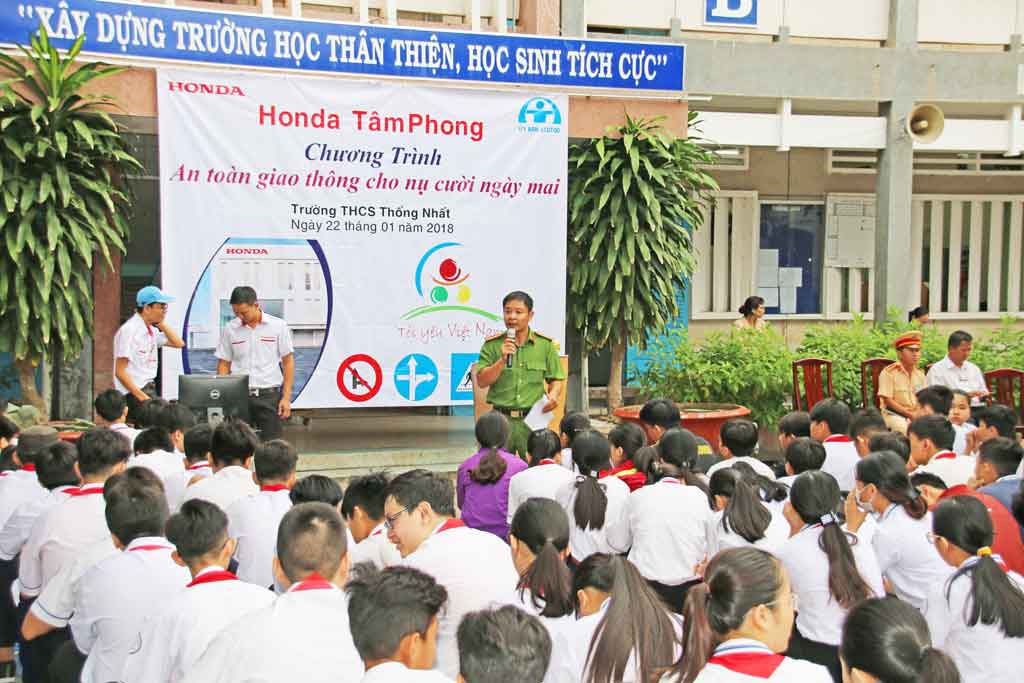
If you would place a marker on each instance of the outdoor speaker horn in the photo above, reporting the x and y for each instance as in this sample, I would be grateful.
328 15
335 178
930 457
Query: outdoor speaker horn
925 123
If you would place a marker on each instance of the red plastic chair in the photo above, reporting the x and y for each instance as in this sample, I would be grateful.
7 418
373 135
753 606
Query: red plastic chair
814 386
1007 387
870 370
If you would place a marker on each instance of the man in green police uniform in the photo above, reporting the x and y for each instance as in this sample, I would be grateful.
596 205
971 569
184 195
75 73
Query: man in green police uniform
514 390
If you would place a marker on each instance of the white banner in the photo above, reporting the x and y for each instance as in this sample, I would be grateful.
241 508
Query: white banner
383 222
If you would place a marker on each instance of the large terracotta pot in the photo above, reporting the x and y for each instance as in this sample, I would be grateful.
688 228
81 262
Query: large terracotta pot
703 419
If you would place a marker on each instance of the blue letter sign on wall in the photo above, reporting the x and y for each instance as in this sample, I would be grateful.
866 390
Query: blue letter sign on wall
731 12
146 31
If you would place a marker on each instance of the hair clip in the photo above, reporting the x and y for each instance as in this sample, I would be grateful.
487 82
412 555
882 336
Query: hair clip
984 551
827 518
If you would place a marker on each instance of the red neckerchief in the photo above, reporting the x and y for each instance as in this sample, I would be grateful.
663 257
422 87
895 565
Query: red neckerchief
944 455
313 582
213 577
198 466
838 438
748 659
624 470
274 487
28 467
149 547
87 491
450 524
547 461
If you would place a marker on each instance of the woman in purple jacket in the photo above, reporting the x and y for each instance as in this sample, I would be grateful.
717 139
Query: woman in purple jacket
484 477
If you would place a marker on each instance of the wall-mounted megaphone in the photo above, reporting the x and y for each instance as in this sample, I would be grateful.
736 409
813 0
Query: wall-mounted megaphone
925 123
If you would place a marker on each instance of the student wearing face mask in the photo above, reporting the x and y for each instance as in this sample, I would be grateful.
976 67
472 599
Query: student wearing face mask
905 557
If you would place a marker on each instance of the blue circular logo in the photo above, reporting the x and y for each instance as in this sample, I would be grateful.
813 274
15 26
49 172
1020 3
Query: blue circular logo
416 377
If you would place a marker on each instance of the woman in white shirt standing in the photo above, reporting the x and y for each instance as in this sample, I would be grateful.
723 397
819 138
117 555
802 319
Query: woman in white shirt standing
977 615
665 523
741 518
885 639
905 557
737 621
593 506
539 537
829 570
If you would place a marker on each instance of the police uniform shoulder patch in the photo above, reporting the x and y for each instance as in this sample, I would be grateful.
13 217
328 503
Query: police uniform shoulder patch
500 335
543 336
891 368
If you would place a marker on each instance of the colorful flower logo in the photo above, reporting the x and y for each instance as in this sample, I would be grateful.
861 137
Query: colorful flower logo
443 283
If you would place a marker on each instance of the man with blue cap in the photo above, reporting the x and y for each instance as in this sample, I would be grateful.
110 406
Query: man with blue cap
136 344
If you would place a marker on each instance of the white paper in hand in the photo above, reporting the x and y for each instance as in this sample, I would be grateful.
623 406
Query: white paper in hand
537 418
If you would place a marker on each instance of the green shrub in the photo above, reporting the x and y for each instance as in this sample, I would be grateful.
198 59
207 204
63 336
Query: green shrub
1003 347
747 367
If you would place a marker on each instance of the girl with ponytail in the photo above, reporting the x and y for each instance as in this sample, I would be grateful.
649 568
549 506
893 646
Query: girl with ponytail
741 518
539 537
665 524
483 479
593 505
900 540
829 569
977 615
624 634
737 621
885 639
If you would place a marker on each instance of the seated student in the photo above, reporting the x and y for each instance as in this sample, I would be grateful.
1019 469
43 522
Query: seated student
995 471
304 635
659 415
113 599
885 639
931 444
231 450
829 570
179 631
959 414
363 511
900 541
316 488
253 520
830 420
624 631
892 441
539 538
994 420
393 615
664 525
1007 544
977 615
864 424
793 426
111 406
741 518
545 474
934 400
177 419
483 479
8 431
738 444
802 455
738 620
503 645
55 467
593 505
626 439
473 566
148 414
570 425
22 485
154 450
197 453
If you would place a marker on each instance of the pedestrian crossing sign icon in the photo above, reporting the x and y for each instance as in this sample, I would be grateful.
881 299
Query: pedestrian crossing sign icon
462 380
416 377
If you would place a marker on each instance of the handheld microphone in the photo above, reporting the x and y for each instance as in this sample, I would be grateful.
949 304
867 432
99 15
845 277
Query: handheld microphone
510 334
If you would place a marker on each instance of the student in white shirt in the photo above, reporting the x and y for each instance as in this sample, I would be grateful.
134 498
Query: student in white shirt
474 566
738 620
317 488
545 475
571 424
197 453
664 525
892 441
741 518
900 540
231 449
304 635
501 645
959 414
829 570
22 485
393 615
114 599
793 426
994 420
977 615
864 424
154 450
180 630
830 420
539 538
177 419
738 443
594 506
624 633
253 520
112 407
802 455
931 449
363 510
885 639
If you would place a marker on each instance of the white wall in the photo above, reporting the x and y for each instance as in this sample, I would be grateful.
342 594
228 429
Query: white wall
969 21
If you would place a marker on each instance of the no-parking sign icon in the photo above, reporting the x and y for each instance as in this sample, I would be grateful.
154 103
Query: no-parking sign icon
360 377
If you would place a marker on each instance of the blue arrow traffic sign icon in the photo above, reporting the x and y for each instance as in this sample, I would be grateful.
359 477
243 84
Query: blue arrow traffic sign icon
416 377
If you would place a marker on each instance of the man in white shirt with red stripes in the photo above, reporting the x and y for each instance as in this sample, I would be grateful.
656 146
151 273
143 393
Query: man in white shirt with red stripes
177 636
304 635
253 521
231 449
830 420
475 567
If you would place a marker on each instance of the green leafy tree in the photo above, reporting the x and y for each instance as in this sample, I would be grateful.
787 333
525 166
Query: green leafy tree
62 164
635 196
